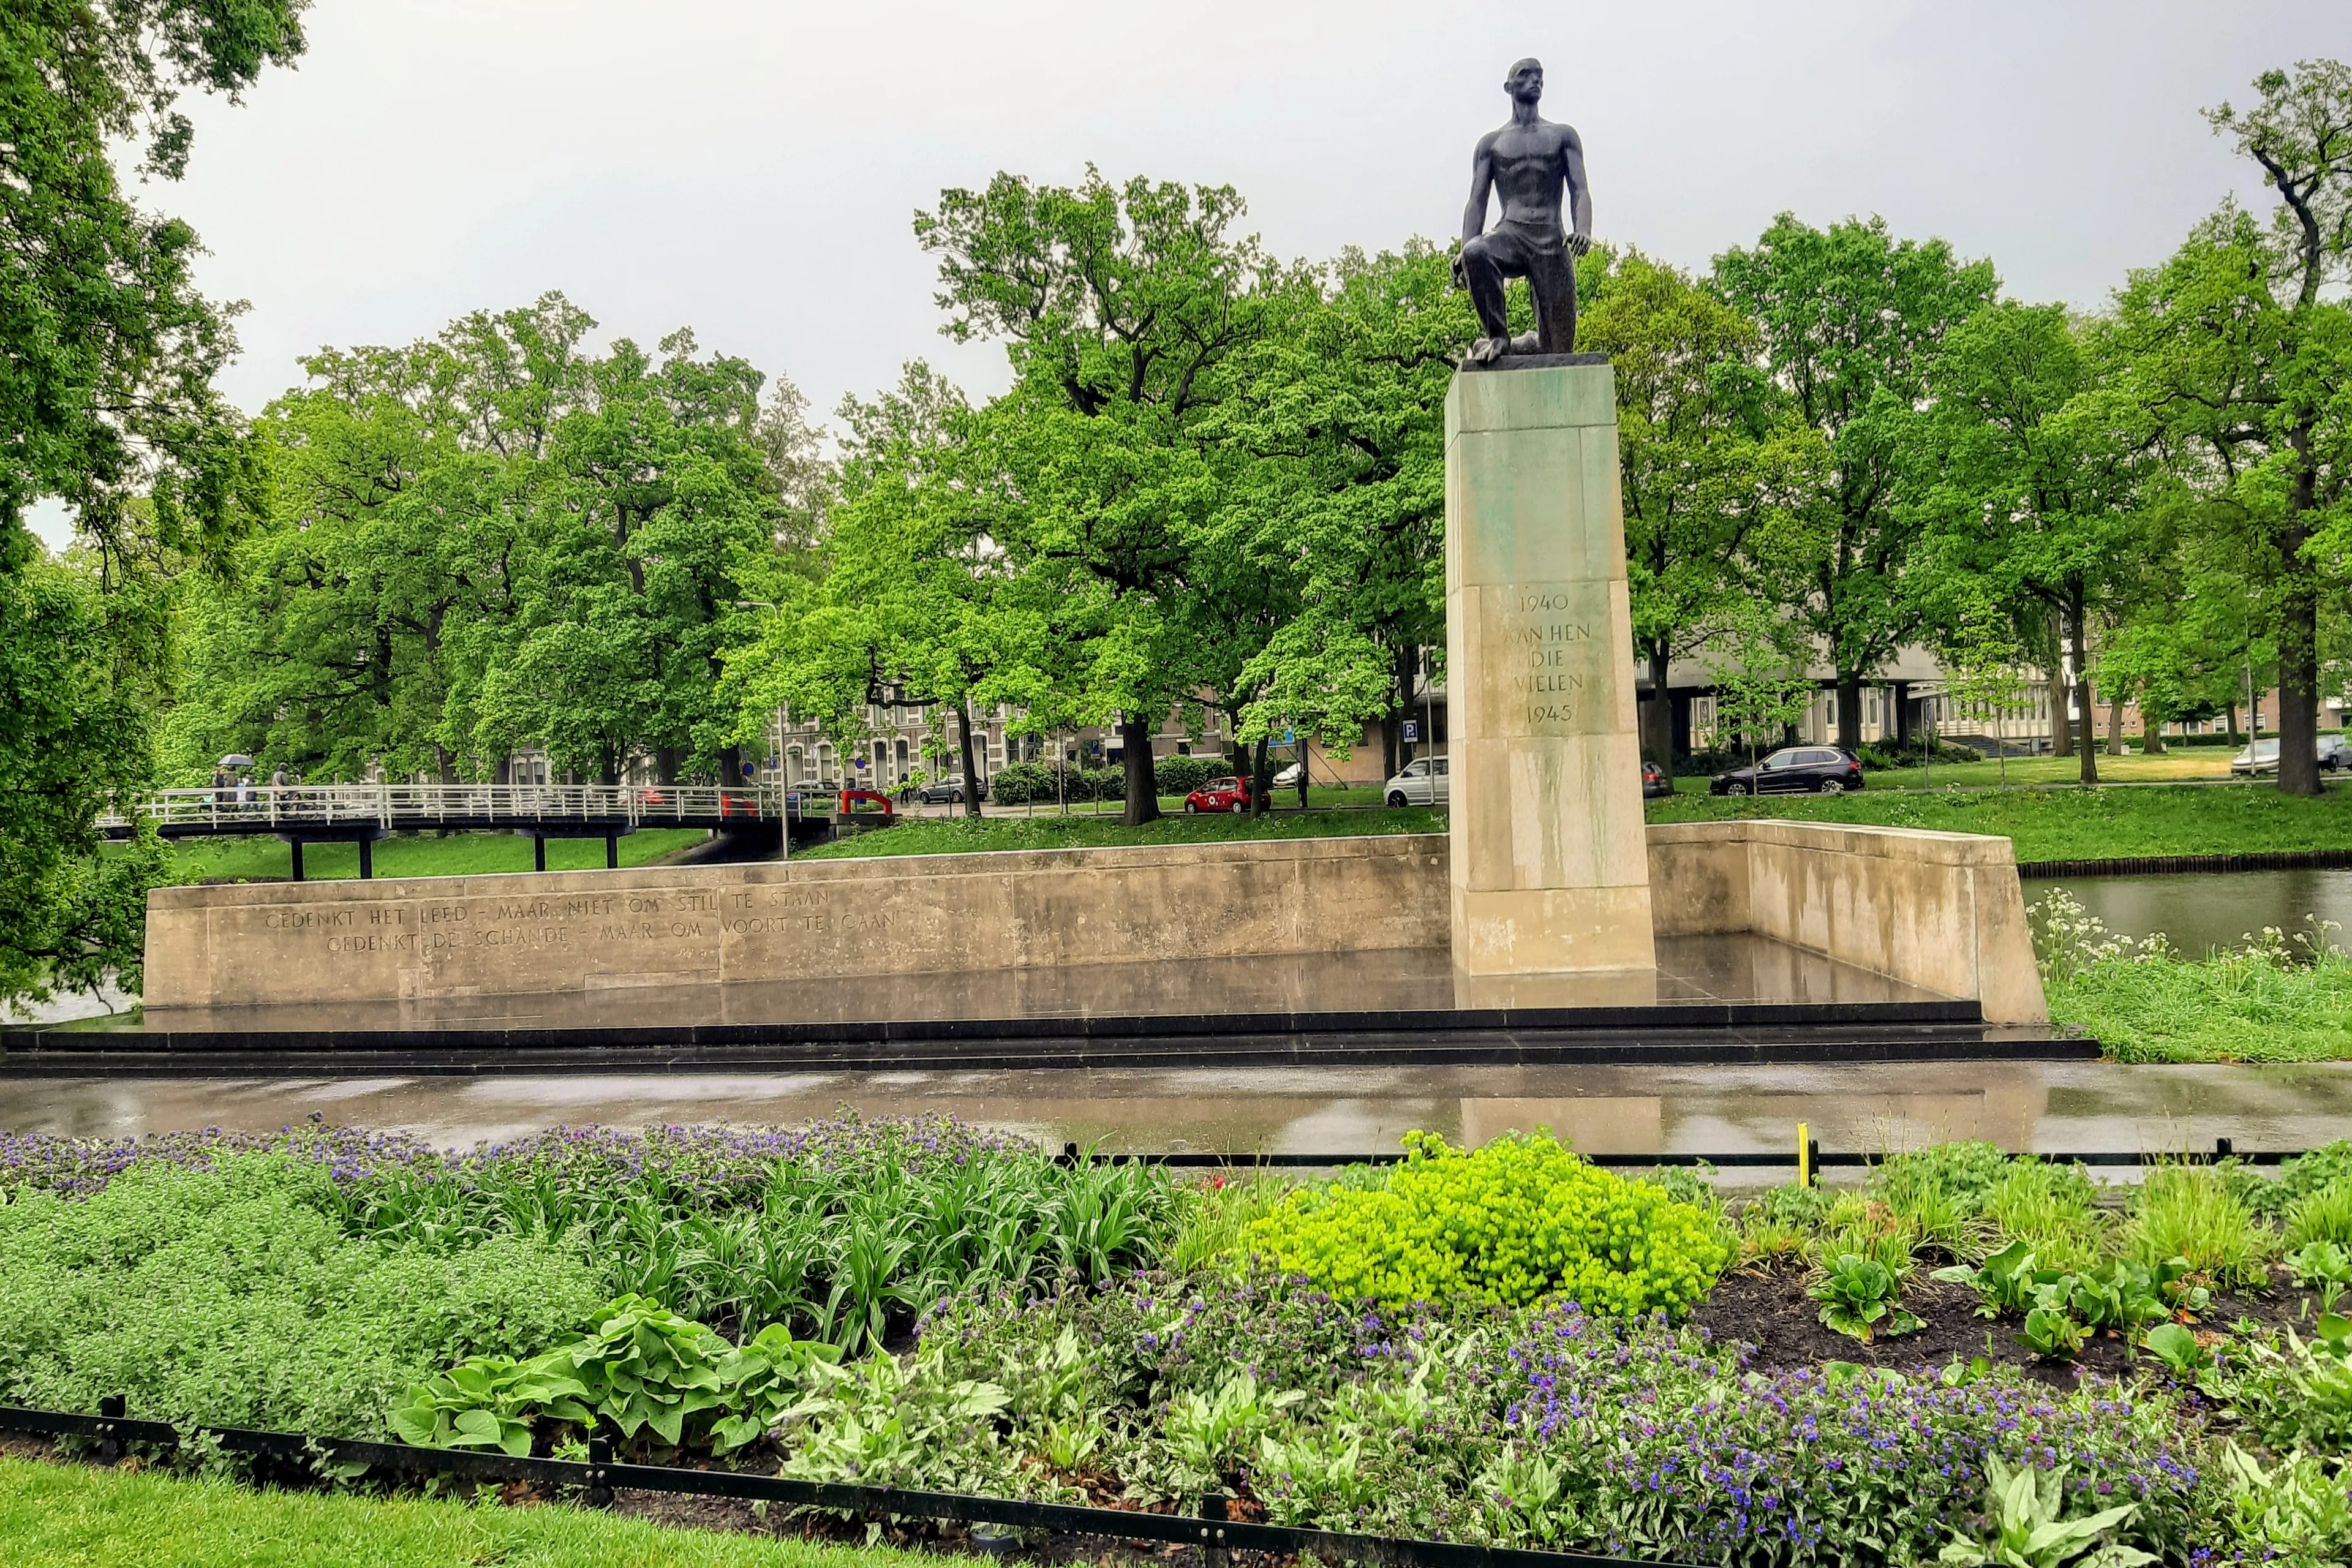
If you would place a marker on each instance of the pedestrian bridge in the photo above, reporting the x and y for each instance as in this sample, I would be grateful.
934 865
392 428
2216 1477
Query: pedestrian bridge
365 811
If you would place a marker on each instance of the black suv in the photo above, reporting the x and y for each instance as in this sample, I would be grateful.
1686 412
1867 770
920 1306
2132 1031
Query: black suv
1793 770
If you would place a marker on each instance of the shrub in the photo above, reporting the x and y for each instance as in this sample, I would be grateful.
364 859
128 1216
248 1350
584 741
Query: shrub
1182 775
1518 1220
227 1297
1018 783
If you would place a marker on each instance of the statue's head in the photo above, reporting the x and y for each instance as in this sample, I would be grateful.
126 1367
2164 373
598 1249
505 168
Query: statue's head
1524 82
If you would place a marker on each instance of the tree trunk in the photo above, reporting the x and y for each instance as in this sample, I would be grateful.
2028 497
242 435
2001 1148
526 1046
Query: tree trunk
665 764
730 767
1849 695
2298 648
2116 723
2230 709
2151 725
1142 795
2088 748
1261 780
963 754
1408 662
1658 713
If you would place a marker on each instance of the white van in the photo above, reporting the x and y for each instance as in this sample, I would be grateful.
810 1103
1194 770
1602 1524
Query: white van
1422 782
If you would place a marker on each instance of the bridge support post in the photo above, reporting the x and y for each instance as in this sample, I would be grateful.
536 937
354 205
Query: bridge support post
612 852
537 853
298 858
367 859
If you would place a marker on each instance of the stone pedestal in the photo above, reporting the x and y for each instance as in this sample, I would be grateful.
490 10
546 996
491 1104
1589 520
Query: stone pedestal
1549 867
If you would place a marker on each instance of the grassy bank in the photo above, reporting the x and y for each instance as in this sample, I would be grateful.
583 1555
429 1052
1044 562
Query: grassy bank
62 1516
2282 998
961 835
2071 823
422 855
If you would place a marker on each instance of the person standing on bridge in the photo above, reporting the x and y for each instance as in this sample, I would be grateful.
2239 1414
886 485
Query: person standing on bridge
277 777
220 788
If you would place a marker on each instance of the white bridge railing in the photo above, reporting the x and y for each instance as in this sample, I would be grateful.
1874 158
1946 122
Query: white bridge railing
261 808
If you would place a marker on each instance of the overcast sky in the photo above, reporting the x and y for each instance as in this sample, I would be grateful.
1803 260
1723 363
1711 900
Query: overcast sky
749 167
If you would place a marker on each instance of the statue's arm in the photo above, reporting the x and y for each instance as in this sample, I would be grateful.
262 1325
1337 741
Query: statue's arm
1482 184
1580 195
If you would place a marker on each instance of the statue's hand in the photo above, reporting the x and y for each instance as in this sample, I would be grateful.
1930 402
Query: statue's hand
1579 242
1454 267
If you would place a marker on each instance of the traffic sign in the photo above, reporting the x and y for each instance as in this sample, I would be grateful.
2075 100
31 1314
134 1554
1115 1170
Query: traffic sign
1412 728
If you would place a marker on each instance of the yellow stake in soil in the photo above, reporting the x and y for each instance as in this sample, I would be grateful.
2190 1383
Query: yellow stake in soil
1804 1155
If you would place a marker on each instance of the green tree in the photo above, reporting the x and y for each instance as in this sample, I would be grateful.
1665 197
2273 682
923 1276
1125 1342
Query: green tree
653 503
1852 320
1122 309
1343 412
2283 432
2031 468
917 606
107 357
1712 465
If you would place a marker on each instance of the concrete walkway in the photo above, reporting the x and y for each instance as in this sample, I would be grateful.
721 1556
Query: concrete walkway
2046 1107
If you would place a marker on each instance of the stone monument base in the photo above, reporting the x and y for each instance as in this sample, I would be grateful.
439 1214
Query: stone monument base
1940 914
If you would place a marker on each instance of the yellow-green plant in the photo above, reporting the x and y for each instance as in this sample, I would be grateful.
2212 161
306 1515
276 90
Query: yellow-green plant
1517 1220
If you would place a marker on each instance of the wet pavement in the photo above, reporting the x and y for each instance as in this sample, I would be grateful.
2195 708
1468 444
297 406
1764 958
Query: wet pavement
2051 1108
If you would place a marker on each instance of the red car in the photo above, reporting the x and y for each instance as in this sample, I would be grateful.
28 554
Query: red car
1220 794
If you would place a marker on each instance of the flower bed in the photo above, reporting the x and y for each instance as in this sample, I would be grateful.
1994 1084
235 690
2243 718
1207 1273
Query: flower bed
1504 1346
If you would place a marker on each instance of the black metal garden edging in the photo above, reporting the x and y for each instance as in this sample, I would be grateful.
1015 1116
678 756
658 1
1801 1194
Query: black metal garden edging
598 1475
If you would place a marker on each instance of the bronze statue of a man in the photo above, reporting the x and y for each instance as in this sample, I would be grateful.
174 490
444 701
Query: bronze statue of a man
1526 161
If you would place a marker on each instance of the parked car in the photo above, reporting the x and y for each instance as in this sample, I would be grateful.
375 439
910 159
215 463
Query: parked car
2263 756
1655 780
947 792
1287 778
1793 770
1423 783
1220 794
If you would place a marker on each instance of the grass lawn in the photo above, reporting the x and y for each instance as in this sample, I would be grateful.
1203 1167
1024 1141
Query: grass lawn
961 835
459 855
2070 824
70 1516
2182 764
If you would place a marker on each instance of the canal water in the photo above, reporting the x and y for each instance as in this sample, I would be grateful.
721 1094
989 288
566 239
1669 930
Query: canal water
2200 912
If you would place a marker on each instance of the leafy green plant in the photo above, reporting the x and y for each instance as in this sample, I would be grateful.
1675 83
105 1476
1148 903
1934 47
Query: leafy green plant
1210 1433
2030 1530
1517 1220
1782 1223
2178 1349
1858 1296
2052 1332
2004 1282
882 1421
2324 1266
2294 1513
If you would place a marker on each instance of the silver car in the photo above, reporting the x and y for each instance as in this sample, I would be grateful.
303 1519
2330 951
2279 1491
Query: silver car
1422 782
2263 756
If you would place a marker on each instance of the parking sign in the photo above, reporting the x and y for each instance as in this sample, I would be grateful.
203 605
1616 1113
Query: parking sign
1412 728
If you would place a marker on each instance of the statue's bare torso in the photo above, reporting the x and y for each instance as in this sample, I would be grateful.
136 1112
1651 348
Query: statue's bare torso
1529 164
